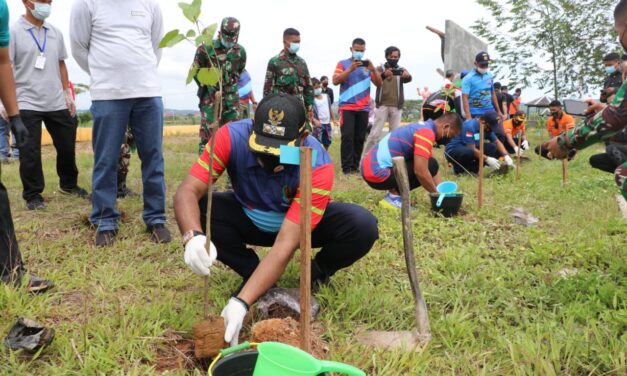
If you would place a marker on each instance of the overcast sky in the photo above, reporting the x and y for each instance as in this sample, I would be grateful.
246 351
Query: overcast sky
327 30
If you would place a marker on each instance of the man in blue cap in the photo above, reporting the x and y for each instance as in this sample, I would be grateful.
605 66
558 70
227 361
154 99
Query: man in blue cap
463 150
478 96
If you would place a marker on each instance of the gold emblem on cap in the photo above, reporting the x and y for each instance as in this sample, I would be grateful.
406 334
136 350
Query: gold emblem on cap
275 118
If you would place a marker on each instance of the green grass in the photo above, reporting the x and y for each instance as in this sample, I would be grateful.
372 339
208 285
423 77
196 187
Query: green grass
497 305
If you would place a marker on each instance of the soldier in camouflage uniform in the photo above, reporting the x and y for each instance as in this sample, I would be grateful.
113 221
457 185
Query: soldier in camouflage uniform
230 56
607 120
288 72
123 164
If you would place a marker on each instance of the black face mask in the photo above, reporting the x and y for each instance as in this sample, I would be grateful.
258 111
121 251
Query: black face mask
325 84
392 63
444 140
270 163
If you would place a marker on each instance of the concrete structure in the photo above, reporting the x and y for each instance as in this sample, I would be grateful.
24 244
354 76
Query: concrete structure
460 48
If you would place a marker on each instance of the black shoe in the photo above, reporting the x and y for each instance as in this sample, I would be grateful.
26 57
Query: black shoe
36 203
76 191
160 233
126 192
38 285
105 238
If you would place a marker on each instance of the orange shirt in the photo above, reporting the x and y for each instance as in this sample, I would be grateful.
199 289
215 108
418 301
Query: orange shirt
511 130
514 106
564 123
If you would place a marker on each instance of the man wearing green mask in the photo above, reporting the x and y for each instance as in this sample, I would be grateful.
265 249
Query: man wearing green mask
288 73
230 56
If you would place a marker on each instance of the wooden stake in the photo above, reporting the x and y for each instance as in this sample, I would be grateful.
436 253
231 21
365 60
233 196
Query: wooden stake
214 130
422 316
518 155
480 190
564 172
305 249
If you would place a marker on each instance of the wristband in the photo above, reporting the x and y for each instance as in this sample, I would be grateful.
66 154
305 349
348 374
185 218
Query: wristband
187 236
241 301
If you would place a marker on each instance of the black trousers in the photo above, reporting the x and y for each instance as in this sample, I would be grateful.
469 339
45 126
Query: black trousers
10 259
614 156
390 183
62 129
464 159
346 233
508 147
354 125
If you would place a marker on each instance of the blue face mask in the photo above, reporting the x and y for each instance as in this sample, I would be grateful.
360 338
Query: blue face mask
293 48
318 91
41 10
358 55
227 44
610 70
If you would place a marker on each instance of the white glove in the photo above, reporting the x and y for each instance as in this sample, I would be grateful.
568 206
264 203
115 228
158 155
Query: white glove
233 315
196 256
509 161
525 145
516 150
493 163
69 101
3 113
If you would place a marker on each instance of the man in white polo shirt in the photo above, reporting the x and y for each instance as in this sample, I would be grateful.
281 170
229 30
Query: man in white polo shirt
37 53
117 43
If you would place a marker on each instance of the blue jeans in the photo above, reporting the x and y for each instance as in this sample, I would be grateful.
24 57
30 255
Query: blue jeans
111 117
5 151
4 139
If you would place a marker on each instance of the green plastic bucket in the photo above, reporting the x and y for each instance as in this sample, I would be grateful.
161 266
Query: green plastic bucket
278 359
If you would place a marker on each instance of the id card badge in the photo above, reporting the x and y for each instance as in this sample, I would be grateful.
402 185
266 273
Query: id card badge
40 63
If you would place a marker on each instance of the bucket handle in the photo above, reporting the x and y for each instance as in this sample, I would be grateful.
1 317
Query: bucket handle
440 199
228 351
329 366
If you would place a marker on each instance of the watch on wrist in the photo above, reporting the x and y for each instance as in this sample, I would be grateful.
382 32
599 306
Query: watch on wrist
188 235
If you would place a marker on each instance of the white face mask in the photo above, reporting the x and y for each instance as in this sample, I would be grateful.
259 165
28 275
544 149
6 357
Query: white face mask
482 70
41 10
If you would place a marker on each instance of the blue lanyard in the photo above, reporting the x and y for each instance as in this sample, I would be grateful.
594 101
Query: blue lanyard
41 48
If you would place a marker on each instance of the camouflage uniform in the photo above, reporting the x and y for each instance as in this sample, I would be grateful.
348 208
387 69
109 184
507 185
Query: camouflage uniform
124 163
601 127
232 61
288 73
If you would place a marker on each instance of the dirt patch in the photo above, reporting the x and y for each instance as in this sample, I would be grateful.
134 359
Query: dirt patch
209 337
287 330
177 353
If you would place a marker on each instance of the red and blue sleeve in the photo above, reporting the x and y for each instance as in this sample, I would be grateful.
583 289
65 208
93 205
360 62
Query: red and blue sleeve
200 169
423 142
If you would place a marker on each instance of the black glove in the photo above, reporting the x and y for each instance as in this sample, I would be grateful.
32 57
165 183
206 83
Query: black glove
19 130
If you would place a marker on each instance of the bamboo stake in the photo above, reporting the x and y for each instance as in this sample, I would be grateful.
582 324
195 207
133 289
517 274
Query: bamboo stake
564 172
420 308
480 190
518 155
305 249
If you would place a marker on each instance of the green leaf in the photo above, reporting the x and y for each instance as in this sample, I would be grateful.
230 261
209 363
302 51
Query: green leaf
193 70
171 38
191 33
206 36
208 76
191 11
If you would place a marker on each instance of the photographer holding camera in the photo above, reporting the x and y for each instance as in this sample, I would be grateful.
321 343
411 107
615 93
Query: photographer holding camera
390 96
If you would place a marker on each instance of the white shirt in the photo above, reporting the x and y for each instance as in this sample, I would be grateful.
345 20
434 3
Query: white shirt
117 43
322 107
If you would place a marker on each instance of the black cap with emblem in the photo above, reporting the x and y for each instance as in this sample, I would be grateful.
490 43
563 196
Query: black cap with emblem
279 120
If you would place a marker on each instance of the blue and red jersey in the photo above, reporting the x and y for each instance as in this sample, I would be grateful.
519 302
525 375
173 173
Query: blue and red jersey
355 91
408 141
267 199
